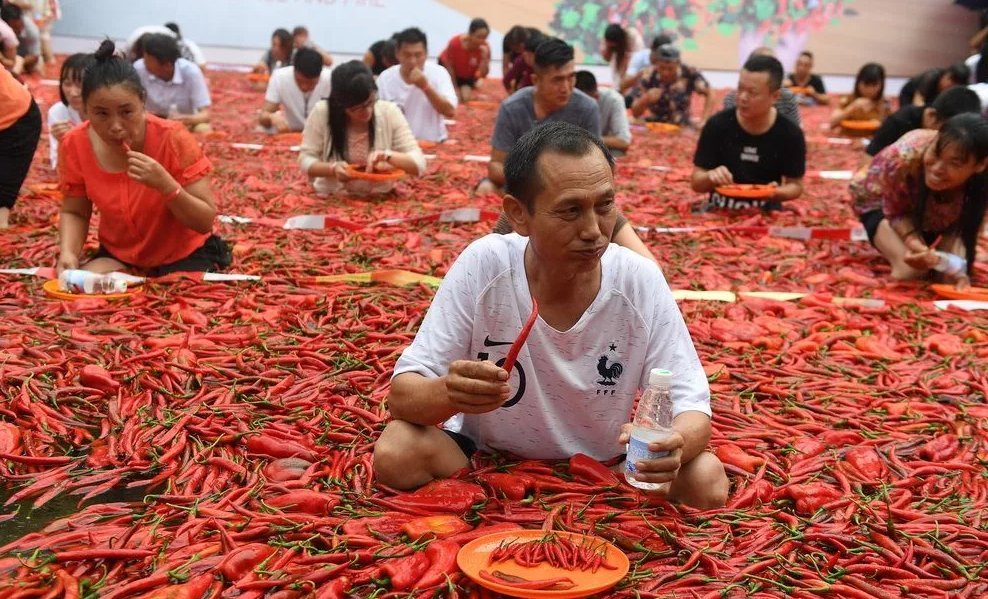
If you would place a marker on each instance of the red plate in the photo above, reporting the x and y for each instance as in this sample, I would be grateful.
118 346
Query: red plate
360 172
473 558
754 191
51 288
971 293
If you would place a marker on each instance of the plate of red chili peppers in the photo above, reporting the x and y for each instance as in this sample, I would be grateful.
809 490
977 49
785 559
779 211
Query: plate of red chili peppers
535 563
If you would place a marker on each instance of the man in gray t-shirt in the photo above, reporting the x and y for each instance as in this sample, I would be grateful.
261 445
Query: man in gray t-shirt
552 98
615 130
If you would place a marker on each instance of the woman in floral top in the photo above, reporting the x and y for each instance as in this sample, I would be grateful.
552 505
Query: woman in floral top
928 186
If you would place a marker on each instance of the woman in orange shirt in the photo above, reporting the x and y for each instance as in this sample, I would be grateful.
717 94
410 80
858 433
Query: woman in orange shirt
20 128
147 177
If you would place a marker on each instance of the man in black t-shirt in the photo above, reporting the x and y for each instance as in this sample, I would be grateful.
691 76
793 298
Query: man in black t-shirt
751 143
803 82
955 100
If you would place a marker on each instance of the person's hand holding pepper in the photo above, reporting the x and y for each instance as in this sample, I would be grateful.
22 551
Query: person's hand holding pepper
661 470
144 169
918 255
475 387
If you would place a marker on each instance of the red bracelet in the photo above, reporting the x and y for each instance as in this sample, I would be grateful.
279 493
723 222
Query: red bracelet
171 196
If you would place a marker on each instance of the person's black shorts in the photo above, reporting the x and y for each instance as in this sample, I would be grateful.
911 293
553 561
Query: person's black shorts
468 81
213 255
870 220
467 446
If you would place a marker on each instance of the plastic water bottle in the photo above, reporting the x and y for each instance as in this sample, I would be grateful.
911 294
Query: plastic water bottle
653 422
950 264
83 281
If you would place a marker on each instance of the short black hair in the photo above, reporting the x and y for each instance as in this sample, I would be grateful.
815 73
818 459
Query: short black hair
108 70
586 82
661 40
11 12
477 24
284 36
553 52
300 30
766 64
807 54
954 101
74 68
959 73
522 179
411 36
533 40
161 46
174 28
308 62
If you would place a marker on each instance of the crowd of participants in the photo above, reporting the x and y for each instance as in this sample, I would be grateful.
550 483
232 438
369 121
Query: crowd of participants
129 115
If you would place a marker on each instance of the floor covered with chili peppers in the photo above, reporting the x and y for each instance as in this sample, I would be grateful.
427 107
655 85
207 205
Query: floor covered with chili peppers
854 432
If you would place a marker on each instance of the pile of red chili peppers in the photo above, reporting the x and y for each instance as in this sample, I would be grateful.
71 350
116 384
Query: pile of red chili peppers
854 434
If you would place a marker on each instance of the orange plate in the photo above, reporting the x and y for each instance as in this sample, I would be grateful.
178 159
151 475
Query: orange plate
473 557
483 104
971 293
752 191
51 288
360 172
426 144
662 127
801 90
260 77
868 126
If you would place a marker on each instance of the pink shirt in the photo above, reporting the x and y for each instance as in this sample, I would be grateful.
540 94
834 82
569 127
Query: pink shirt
8 39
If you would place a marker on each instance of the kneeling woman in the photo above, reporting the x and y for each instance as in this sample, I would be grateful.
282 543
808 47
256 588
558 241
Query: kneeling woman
353 127
927 192
146 176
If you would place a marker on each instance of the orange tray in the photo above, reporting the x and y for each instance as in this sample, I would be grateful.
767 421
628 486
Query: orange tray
867 126
662 127
50 287
752 191
360 172
426 144
258 77
801 90
482 104
971 293
473 558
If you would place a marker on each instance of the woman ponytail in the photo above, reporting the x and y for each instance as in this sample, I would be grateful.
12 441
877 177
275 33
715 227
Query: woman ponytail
111 69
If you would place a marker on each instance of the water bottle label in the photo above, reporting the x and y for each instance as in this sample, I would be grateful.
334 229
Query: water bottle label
638 452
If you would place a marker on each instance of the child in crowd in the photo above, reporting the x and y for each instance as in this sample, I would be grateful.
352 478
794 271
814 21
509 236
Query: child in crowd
64 115
867 101
927 192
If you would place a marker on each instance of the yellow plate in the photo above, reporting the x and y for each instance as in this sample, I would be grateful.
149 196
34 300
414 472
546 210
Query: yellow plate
51 288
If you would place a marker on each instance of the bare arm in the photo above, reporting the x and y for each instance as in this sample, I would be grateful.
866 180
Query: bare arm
695 429
616 143
789 190
73 226
267 110
495 168
704 181
194 207
441 104
470 387
199 118
627 236
978 39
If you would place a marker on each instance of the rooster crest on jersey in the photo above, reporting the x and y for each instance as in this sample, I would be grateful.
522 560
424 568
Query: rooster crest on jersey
610 373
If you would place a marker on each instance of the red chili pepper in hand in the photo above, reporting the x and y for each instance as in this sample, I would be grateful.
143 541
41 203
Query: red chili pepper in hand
586 468
509 360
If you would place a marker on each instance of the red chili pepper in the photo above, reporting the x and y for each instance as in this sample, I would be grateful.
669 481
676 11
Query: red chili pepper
193 589
941 448
404 572
586 468
97 377
811 497
439 527
442 563
445 495
305 500
509 486
243 560
509 360
729 453
278 448
285 469
560 583
335 590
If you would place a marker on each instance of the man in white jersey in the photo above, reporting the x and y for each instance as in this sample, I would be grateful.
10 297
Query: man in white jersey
606 317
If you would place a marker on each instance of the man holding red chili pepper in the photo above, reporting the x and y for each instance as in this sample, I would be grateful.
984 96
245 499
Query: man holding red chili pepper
606 318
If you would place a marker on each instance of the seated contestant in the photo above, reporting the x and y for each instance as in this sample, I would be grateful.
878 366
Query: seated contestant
381 56
279 54
751 143
639 65
927 187
867 101
146 176
467 57
598 303
64 115
301 39
666 91
293 92
954 101
804 77
614 129
190 49
512 46
354 127
423 90
520 72
787 104
617 48
20 128
923 88
21 52
176 88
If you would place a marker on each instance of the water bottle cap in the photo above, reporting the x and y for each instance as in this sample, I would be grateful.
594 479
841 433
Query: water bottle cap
659 376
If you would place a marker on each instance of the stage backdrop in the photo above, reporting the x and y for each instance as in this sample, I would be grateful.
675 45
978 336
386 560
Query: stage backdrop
904 35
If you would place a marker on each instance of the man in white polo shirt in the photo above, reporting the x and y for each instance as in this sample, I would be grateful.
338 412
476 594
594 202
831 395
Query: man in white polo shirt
175 86
293 92
423 90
